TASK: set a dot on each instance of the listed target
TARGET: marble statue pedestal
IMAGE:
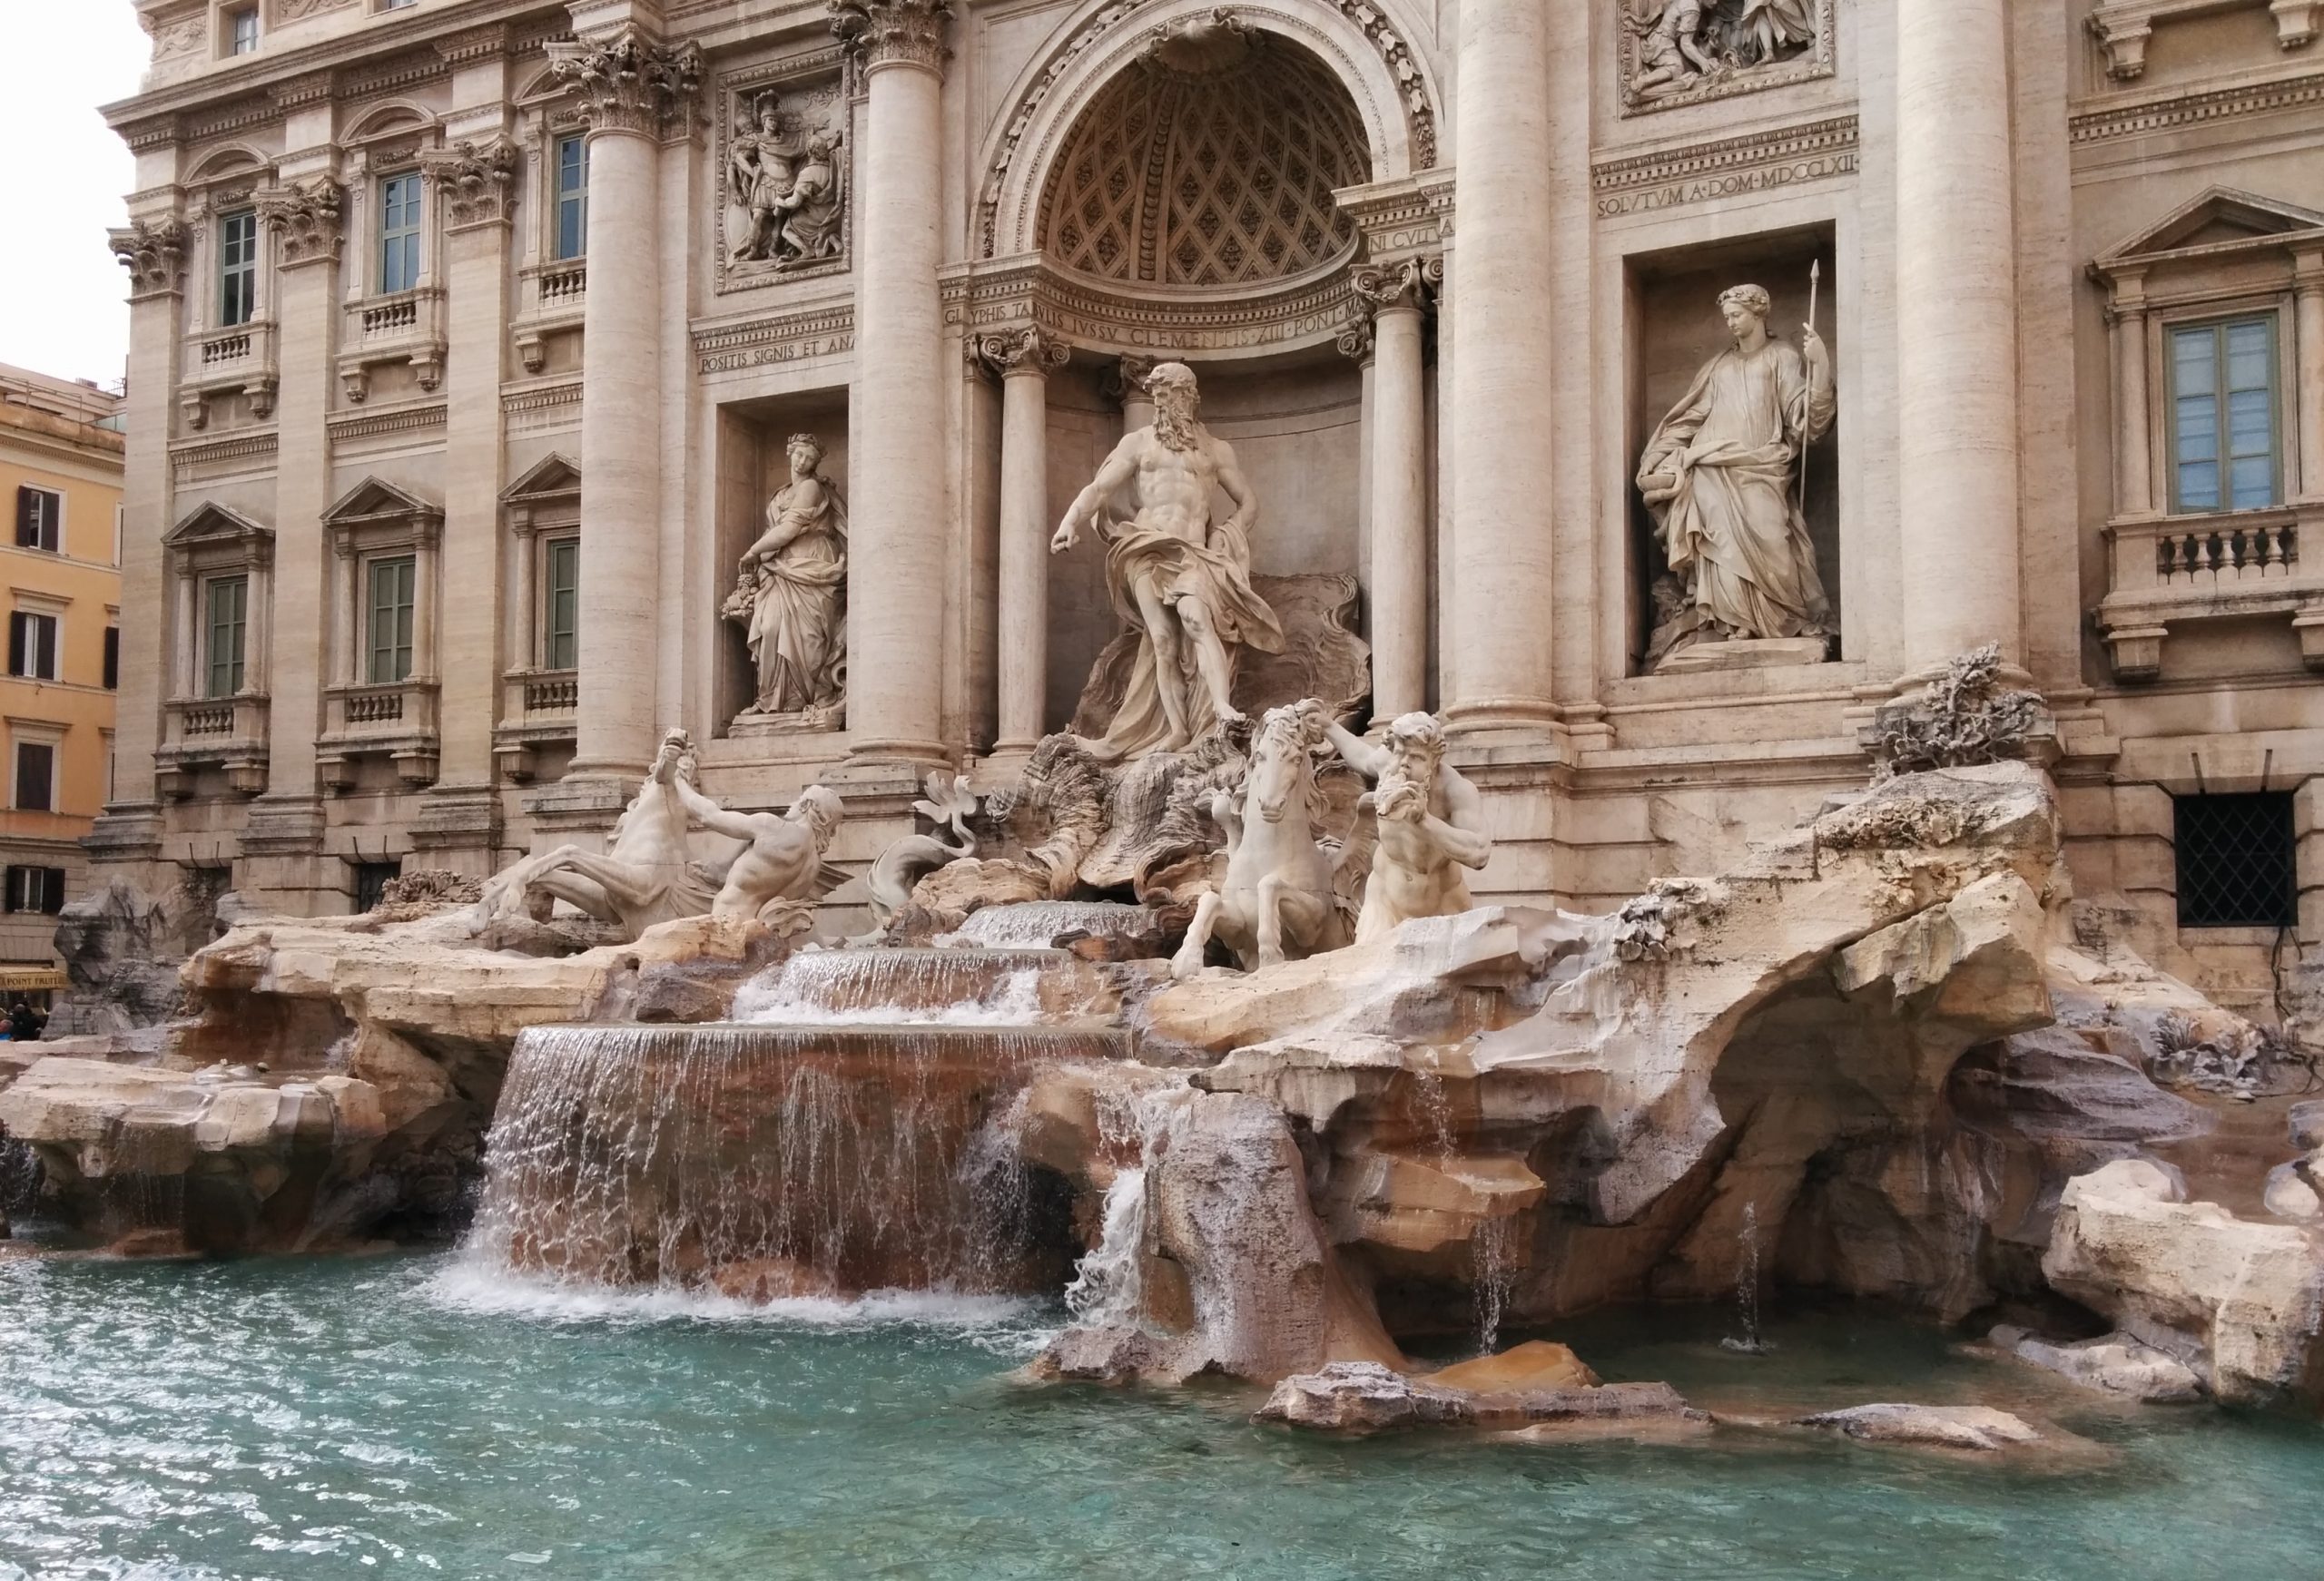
(1746, 654)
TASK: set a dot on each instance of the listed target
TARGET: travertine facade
(470, 336)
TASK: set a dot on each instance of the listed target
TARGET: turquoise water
(328, 1418)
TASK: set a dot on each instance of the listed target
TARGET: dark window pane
(112, 658)
(35, 774)
(2235, 860)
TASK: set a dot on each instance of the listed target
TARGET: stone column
(1398, 296)
(524, 637)
(1023, 359)
(1501, 604)
(2308, 282)
(426, 606)
(183, 640)
(2133, 451)
(634, 91)
(1956, 332)
(305, 217)
(1137, 406)
(895, 617)
(461, 639)
(346, 666)
(258, 632)
(153, 251)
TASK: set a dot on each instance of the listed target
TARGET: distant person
(24, 1022)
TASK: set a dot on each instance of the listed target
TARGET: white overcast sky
(62, 179)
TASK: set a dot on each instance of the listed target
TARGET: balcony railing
(396, 719)
(225, 733)
(537, 709)
(2166, 571)
(550, 301)
(219, 361)
(406, 326)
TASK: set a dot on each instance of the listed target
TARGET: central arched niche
(1208, 165)
(1204, 170)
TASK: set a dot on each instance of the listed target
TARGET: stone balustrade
(2168, 570)
(396, 719)
(537, 709)
(242, 359)
(223, 733)
(404, 327)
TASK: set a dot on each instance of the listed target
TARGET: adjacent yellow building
(60, 483)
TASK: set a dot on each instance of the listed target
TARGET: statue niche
(790, 598)
(784, 205)
(1721, 476)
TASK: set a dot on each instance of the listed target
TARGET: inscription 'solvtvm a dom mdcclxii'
(1647, 389)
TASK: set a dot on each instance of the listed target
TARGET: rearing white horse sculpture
(1279, 896)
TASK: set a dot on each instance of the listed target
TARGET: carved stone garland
(893, 32)
(630, 82)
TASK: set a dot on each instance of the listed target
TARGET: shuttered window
(389, 632)
(40, 520)
(228, 598)
(2224, 416)
(32, 645)
(35, 777)
(560, 623)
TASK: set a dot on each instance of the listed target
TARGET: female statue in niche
(792, 596)
(1717, 477)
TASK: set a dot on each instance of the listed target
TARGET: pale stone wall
(1458, 428)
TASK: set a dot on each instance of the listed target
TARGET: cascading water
(1747, 1288)
(1040, 923)
(925, 988)
(1108, 1288)
(766, 1161)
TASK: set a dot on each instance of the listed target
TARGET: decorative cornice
(299, 10)
(778, 338)
(629, 83)
(308, 217)
(408, 419)
(902, 33)
(1727, 167)
(1027, 349)
(2103, 123)
(477, 180)
(153, 251)
(482, 44)
(983, 298)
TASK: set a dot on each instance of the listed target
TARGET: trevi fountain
(1166, 1131)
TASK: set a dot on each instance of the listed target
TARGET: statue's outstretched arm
(710, 815)
(1359, 754)
(1118, 469)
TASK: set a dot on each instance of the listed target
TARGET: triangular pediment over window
(212, 523)
(375, 500)
(553, 477)
(2222, 219)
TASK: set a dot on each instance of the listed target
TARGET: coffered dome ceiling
(1219, 177)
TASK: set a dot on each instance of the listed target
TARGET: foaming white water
(1039, 923)
(890, 988)
(1109, 1284)
(478, 1288)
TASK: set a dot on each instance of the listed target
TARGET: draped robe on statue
(1732, 530)
(796, 598)
(1220, 572)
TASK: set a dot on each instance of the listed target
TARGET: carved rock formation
(333, 1079)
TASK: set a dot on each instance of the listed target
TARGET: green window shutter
(392, 582)
(560, 643)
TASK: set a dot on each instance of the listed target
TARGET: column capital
(309, 218)
(1358, 338)
(477, 179)
(630, 82)
(153, 251)
(1127, 382)
(1410, 284)
(883, 32)
(1029, 350)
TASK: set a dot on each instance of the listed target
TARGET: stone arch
(395, 118)
(223, 163)
(1394, 94)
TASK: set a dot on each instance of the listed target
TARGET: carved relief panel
(1686, 51)
(783, 172)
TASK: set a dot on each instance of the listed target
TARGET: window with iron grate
(371, 881)
(2235, 860)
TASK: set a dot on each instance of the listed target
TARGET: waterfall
(765, 1161)
(925, 987)
(1747, 1288)
(1495, 1280)
(1108, 1286)
(1040, 923)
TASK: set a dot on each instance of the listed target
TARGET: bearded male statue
(1180, 580)
(1432, 821)
(1717, 475)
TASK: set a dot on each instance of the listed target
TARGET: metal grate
(371, 881)
(2235, 860)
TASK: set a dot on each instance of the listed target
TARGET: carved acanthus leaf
(893, 32)
(628, 81)
(307, 216)
(1965, 717)
(1412, 283)
(153, 251)
(477, 179)
(1028, 348)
